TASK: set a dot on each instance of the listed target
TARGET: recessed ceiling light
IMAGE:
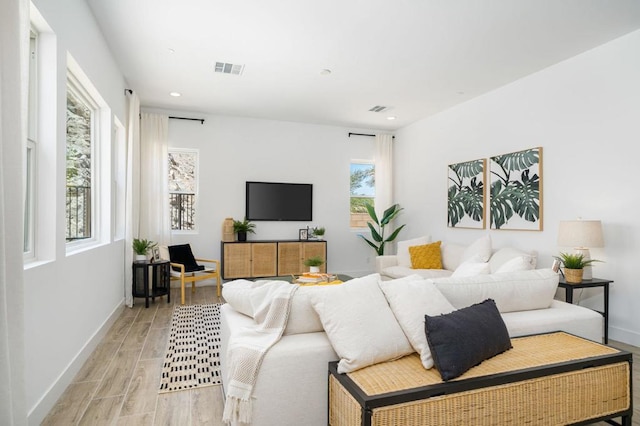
(175, 94)
(391, 117)
(325, 71)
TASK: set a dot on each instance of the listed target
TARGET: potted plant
(574, 264)
(318, 232)
(377, 235)
(141, 247)
(314, 263)
(242, 228)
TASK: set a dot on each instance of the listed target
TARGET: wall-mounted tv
(279, 201)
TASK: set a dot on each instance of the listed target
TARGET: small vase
(242, 236)
(314, 269)
(141, 258)
(573, 276)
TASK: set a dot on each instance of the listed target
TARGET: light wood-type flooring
(118, 385)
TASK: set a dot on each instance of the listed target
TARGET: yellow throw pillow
(426, 257)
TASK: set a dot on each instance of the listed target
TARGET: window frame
(31, 152)
(352, 162)
(195, 194)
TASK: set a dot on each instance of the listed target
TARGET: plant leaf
(372, 213)
(374, 234)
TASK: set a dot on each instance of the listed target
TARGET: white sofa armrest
(385, 261)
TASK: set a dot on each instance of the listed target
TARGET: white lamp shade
(580, 233)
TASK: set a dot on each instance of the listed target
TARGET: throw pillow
(481, 247)
(506, 254)
(359, 323)
(402, 256)
(516, 264)
(463, 339)
(182, 253)
(426, 256)
(514, 291)
(474, 266)
(237, 293)
(410, 299)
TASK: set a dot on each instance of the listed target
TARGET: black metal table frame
(161, 274)
(592, 283)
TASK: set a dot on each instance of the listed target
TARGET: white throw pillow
(505, 254)
(471, 268)
(237, 293)
(480, 247)
(411, 298)
(451, 255)
(359, 323)
(302, 317)
(403, 257)
(403, 271)
(513, 291)
(520, 263)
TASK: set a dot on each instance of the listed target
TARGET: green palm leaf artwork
(516, 181)
(465, 199)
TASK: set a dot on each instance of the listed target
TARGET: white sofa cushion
(514, 291)
(403, 271)
(402, 249)
(471, 267)
(302, 317)
(503, 255)
(519, 263)
(359, 323)
(237, 293)
(480, 248)
(451, 255)
(411, 298)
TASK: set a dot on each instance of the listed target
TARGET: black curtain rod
(201, 120)
(365, 134)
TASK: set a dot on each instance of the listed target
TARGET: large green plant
(515, 191)
(377, 232)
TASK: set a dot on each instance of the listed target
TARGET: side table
(595, 282)
(160, 274)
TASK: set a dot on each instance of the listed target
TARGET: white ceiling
(418, 57)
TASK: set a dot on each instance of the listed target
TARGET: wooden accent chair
(185, 267)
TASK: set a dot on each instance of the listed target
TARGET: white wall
(584, 112)
(234, 150)
(69, 299)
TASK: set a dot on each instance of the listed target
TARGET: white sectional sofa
(291, 387)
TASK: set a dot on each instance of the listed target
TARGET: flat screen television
(279, 201)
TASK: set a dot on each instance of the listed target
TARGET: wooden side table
(160, 274)
(595, 282)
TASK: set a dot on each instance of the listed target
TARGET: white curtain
(14, 37)
(384, 173)
(132, 190)
(154, 178)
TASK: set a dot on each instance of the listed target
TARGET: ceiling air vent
(378, 108)
(226, 68)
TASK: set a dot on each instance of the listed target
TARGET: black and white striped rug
(193, 351)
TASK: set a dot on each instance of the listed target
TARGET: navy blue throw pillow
(464, 338)
(182, 254)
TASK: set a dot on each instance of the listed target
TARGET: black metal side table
(160, 277)
(595, 282)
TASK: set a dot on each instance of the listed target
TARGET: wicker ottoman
(546, 379)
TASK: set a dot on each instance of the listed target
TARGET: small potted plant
(242, 228)
(574, 264)
(141, 247)
(314, 263)
(318, 232)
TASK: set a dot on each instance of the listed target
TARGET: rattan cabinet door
(289, 258)
(237, 260)
(264, 261)
(312, 249)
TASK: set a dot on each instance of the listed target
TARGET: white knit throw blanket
(250, 346)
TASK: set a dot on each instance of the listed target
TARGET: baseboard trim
(625, 336)
(40, 410)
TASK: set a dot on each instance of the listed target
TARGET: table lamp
(581, 234)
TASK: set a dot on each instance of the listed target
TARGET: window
(362, 191)
(30, 153)
(183, 185)
(80, 191)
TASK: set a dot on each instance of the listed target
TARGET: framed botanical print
(465, 194)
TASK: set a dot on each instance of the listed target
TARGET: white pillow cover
(503, 255)
(359, 323)
(451, 255)
(471, 268)
(402, 249)
(520, 263)
(403, 271)
(411, 298)
(514, 291)
(479, 248)
(237, 293)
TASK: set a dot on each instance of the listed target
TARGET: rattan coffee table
(548, 379)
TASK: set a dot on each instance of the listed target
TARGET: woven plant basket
(573, 276)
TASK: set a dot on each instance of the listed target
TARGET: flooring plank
(116, 379)
(103, 411)
(71, 405)
(156, 343)
(207, 406)
(173, 408)
(145, 419)
(142, 394)
(98, 363)
(136, 336)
